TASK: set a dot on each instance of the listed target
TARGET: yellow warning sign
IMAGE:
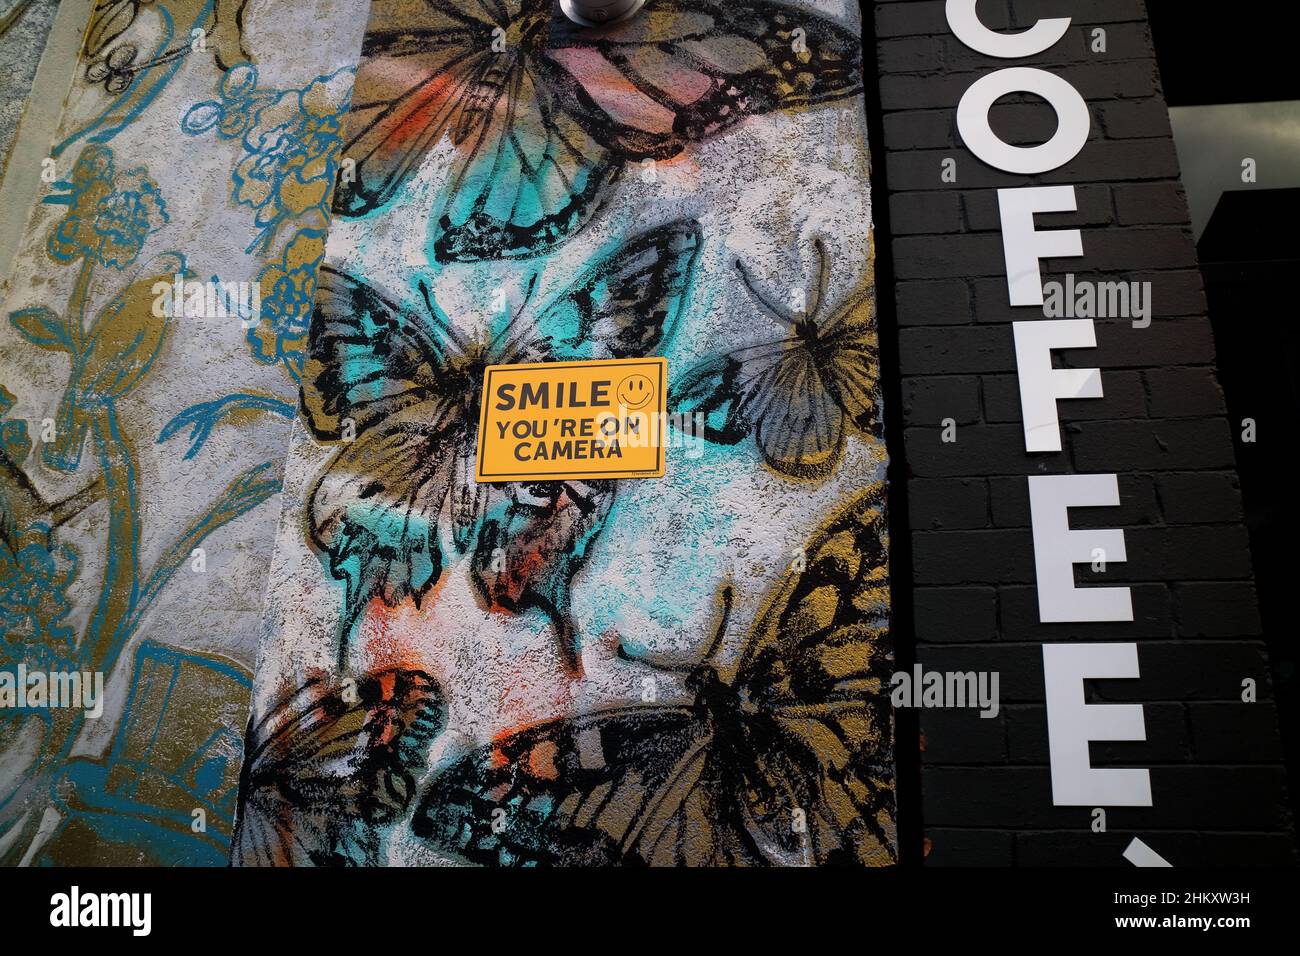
(573, 420)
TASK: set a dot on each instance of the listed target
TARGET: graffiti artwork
(127, 556)
(682, 667)
(785, 761)
(537, 117)
(681, 670)
(411, 441)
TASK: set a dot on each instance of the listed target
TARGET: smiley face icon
(635, 391)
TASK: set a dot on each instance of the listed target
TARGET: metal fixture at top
(600, 13)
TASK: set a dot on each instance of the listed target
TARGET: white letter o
(1074, 122)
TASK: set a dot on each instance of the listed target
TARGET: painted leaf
(41, 326)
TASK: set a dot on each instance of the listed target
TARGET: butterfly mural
(328, 768)
(542, 116)
(784, 759)
(397, 389)
(799, 395)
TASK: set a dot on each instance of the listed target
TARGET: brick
(962, 736)
(1174, 293)
(1134, 119)
(1019, 666)
(1201, 498)
(1141, 204)
(1188, 553)
(1217, 609)
(951, 504)
(1124, 41)
(1166, 737)
(1191, 671)
(1081, 847)
(1009, 499)
(1025, 13)
(920, 129)
(1070, 49)
(911, 213)
(1178, 293)
(1176, 342)
(953, 847)
(1011, 797)
(1132, 78)
(1124, 396)
(1236, 733)
(1099, 161)
(1219, 798)
(1154, 445)
(1094, 209)
(911, 19)
(972, 557)
(933, 302)
(980, 450)
(1019, 620)
(955, 614)
(931, 257)
(955, 350)
(928, 401)
(1184, 393)
(923, 54)
(1137, 248)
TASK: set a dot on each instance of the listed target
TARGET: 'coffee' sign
(1072, 722)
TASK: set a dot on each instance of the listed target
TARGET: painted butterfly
(542, 115)
(796, 395)
(327, 769)
(786, 759)
(399, 389)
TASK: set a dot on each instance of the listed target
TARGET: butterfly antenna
(436, 319)
(763, 300)
(823, 278)
(711, 655)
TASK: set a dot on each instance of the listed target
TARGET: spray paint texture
(678, 670)
(143, 446)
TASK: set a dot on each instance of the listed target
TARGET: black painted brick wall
(1216, 770)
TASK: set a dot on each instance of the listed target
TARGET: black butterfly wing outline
(327, 769)
(374, 384)
(529, 180)
(853, 351)
(368, 359)
(528, 554)
(418, 64)
(818, 668)
(526, 175)
(544, 117)
(775, 392)
(108, 21)
(796, 396)
(628, 304)
(792, 767)
(568, 793)
(625, 305)
(797, 424)
(683, 71)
